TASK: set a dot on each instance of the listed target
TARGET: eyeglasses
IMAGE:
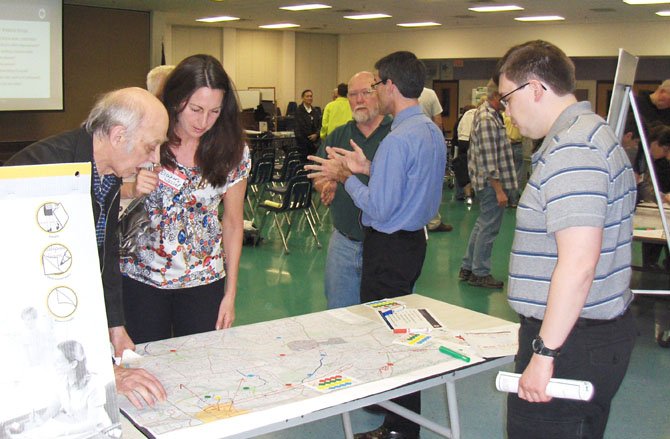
(366, 93)
(504, 99)
(381, 81)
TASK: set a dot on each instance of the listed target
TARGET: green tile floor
(273, 285)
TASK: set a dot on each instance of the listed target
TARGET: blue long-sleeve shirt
(406, 174)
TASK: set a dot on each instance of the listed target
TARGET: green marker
(454, 354)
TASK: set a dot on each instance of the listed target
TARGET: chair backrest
(261, 170)
(298, 193)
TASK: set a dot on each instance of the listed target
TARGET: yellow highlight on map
(218, 411)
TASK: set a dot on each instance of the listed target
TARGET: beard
(363, 115)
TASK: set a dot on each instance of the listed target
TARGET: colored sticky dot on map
(334, 382)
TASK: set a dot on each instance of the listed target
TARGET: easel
(622, 97)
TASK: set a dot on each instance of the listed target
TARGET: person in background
(659, 150)
(654, 108)
(403, 193)
(336, 113)
(344, 262)
(123, 131)
(491, 171)
(156, 79)
(570, 266)
(432, 108)
(307, 123)
(516, 140)
(184, 280)
(461, 142)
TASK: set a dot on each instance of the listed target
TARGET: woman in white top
(183, 279)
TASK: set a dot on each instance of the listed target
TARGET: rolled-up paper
(557, 387)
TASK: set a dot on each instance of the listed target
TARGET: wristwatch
(540, 349)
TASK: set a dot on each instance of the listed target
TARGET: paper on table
(498, 341)
(649, 233)
(411, 318)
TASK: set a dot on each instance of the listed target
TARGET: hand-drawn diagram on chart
(52, 217)
(268, 370)
(56, 260)
(62, 302)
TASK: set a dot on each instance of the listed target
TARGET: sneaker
(487, 281)
(442, 228)
(468, 201)
(464, 274)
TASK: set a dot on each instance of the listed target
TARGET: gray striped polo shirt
(581, 177)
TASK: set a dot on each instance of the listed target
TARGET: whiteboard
(249, 98)
(267, 93)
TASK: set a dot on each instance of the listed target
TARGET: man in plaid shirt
(491, 169)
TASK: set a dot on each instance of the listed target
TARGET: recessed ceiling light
(663, 13)
(421, 24)
(279, 26)
(217, 19)
(541, 18)
(646, 2)
(307, 7)
(501, 8)
(366, 16)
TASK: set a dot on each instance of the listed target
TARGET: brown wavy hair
(221, 148)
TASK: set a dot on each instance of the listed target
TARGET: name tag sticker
(175, 180)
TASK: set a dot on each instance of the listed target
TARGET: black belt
(397, 232)
(581, 322)
(349, 237)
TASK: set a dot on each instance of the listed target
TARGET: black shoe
(442, 228)
(464, 274)
(487, 281)
(384, 433)
(663, 339)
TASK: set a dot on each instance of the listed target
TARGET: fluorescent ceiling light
(279, 26)
(663, 13)
(422, 24)
(646, 2)
(217, 19)
(307, 7)
(541, 18)
(501, 8)
(366, 16)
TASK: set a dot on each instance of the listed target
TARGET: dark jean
(391, 265)
(595, 351)
(156, 314)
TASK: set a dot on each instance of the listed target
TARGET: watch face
(537, 344)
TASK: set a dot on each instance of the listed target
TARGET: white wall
(360, 51)
(316, 66)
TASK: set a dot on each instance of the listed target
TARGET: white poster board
(623, 82)
(57, 379)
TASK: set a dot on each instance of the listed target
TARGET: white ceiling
(450, 13)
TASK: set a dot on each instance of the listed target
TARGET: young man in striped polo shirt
(569, 269)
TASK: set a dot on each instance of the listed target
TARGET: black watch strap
(540, 349)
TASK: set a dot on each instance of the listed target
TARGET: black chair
(297, 196)
(259, 177)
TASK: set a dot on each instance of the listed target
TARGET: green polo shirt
(344, 213)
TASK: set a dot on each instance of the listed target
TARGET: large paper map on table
(220, 383)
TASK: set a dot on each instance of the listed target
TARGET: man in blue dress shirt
(404, 192)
